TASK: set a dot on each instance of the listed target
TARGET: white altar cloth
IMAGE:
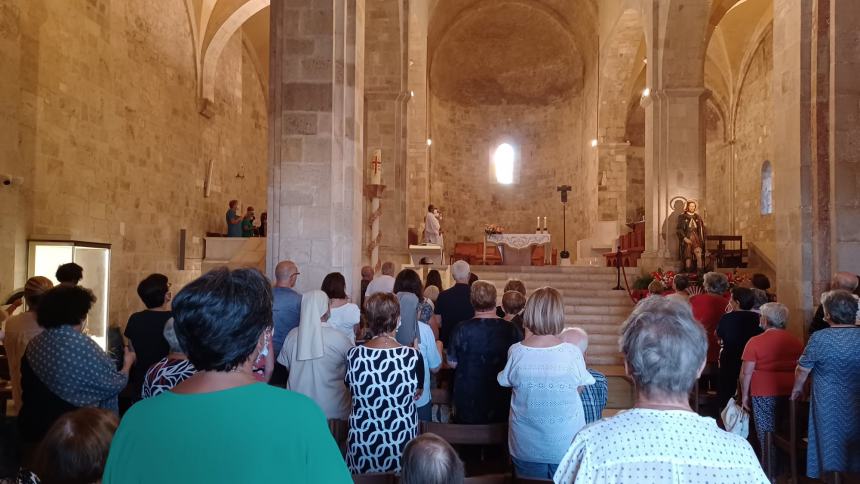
(519, 242)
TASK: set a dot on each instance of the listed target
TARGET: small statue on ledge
(691, 239)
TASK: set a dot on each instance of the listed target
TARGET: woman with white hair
(768, 367)
(171, 370)
(832, 359)
(315, 355)
(661, 439)
(709, 307)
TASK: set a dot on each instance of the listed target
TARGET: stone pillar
(674, 159)
(316, 101)
(792, 194)
(612, 182)
(385, 98)
(418, 154)
(844, 132)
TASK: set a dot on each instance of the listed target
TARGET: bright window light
(503, 159)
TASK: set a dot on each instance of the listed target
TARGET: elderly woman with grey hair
(661, 439)
(767, 373)
(170, 370)
(709, 307)
(831, 357)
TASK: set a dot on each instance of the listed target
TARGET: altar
(516, 249)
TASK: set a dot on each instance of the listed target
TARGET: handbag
(736, 419)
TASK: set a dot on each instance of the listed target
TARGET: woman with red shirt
(768, 367)
(709, 307)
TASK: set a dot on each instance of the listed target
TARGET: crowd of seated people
(200, 394)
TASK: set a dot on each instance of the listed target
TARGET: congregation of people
(236, 378)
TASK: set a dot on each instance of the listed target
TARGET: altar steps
(589, 301)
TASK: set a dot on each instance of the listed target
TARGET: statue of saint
(691, 239)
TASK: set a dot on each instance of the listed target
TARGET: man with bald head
(841, 280)
(593, 396)
(286, 308)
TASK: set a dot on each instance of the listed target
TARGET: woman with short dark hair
(223, 321)
(734, 330)
(62, 368)
(385, 379)
(343, 315)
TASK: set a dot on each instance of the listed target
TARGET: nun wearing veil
(315, 356)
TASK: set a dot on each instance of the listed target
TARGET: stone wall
(548, 142)
(108, 141)
(752, 147)
(718, 205)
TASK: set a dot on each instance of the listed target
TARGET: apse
(507, 117)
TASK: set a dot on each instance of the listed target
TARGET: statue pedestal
(651, 261)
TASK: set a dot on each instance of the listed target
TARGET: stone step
(592, 359)
(622, 311)
(550, 269)
(551, 278)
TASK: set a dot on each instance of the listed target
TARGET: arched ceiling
(510, 51)
(505, 53)
(213, 24)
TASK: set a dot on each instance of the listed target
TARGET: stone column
(792, 193)
(316, 101)
(674, 158)
(844, 132)
(612, 181)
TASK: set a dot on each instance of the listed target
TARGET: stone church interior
(429, 241)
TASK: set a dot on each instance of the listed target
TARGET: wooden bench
(726, 250)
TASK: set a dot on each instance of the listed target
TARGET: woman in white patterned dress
(384, 378)
(545, 373)
(172, 370)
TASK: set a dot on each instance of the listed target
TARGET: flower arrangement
(492, 229)
(738, 279)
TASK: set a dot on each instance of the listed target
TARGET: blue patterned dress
(833, 355)
(383, 382)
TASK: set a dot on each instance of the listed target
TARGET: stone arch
(221, 33)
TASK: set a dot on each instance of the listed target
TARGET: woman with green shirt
(220, 425)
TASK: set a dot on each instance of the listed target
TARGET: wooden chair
(707, 398)
(791, 440)
(4, 368)
(5, 396)
(529, 480)
(378, 478)
(490, 434)
(489, 479)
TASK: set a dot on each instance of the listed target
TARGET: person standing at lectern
(432, 227)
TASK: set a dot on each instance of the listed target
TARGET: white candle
(538, 223)
(544, 224)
